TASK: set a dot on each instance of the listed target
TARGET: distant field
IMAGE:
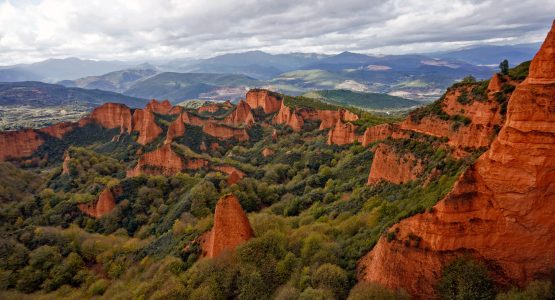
(368, 101)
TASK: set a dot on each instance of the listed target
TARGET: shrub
(98, 287)
(464, 278)
(333, 278)
(372, 291)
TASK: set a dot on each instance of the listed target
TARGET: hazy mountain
(40, 94)
(12, 75)
(492, 55)
(256, 64)
(118, 81)
(53, 70)
(181, 86)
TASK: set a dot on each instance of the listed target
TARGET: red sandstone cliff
(105, 203)
(163, 108)
(389, 165)
(287, 116)
(342, 134)
(231, 227)
(111, 115)
(176, 129)
(143, 122)
(224, 132)
(164, 161)
(22, 143)
(242, 115)
(264, 99)
(499, 210)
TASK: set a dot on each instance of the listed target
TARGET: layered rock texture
(342, 134)
(144, 122)
(231, 228)
(103, 205)
(242, 115)
(163, 108)
(268, 101)
(392, 166)
(500, 210)
(23, 143)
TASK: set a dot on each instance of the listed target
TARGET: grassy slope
(362, 100)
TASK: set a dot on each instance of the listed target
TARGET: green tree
(504, 67)
(333, 278)
(464, 278)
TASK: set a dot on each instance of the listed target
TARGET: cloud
(155, 29)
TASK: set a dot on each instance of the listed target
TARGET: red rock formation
(233, 178)
(176, 129)
(111, 115)
(143, 122)
(264, 99)
(65, 164)
(389, 165)
(224, 132)
(160, 161)
(211, 108)
(377, 133)
(231, 227)
(495, 83)
(288, 117)
(342, 134)
(274, 136)
(16, 144)
(60, 129)
(176, 110)
(242, 115)
(229, 170)
(105, 203)
(195, 163)
(163, 108)
(267, 152)
(499, 210)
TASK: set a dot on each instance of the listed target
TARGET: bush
(372, 291)
(464, 278)
(333, 278)
(536, 290)
(98, 287)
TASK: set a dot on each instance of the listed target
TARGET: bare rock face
(160, 161)
(224, 132)
(176, 129)
(378, 133)
(495, 83)
(211, 108)
(499, 210)
(163, 108)
(484, 117)
(287, 116)
(233, 178)
(60, 129)
(342, 134)
(242, 115)
(389, 165)
(264, 99)
(65, 164)
(267, 152)
(103, 205)
(143, 122)
(111, 115)
(231, 227)
(542, 68)
(21, 143)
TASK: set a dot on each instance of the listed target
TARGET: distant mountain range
(418, 77)
(39, 94)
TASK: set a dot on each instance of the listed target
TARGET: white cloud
(154, 29)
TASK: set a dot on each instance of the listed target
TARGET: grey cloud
(149, 29)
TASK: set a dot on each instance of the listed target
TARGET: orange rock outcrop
(342, 134)
(65, 163)
(105, 203)
(267, 152)
(160, 161)
(265, 99)
(60, 129)
(378, 133)
(111, 115)
(389, 165)
(499, 210)
(163, 108)
(144, 123)
(287, 116)
(242, 115)
(176, 129)
(16, 144)
(231, 227)
(224, 132)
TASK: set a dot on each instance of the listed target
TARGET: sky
(150, 30)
